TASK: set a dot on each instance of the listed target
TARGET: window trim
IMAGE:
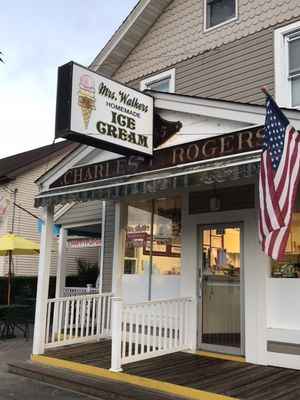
(283, 88)
(166, 75)
(222, 23)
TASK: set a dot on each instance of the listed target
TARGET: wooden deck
(228, 378)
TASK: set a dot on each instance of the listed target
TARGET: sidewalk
(20, 388)
(16, 348)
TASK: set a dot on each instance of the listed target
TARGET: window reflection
(221, 251)
(166, 237)
(153, 237)
(137, 232)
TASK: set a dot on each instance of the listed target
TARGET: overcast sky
(37, 37)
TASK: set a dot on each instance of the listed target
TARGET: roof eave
(244, 112)
(119, 46)
(5, 179)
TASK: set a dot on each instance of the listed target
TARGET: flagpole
(9, 276)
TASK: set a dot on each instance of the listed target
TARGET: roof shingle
(13, 165)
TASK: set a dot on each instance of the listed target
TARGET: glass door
(220, 306)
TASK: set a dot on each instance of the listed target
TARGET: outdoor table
(13, 316)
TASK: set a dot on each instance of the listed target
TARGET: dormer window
(219, 12)
(163, 82)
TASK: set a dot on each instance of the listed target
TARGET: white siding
(89, 211)
(90, 254)
(24, 224)
(78, 214)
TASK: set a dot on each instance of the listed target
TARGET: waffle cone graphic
(86, 113)
(86, 98)
(87, 106)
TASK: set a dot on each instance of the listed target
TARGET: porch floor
(216, 376)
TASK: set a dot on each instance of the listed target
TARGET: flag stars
(274, 136)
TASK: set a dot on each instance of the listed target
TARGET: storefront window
(137, 233)
(290, 266)
(166, 244)
(152, 237)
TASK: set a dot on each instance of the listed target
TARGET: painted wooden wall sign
(205, 149)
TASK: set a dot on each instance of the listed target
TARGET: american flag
(278, 181)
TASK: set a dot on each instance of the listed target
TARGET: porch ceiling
(205, 172)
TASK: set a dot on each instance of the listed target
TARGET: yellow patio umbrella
(11, 244)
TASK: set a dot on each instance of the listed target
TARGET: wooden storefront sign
(206, 149)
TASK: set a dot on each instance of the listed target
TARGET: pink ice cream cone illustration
(86, 98)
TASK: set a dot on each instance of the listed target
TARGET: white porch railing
(77, 291)
(149, 329)
(78, 318)
(138, 331)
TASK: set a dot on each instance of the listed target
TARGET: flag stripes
(278, 181)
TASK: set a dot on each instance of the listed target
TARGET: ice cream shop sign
(102, 113)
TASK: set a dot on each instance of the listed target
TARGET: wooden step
(81, 383)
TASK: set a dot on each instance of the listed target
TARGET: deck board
(230, 378)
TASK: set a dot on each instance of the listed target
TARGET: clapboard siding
(233, 72)
(108, 246)
(227, 56)
(223, 64)
(25, 224)
(86, 212)
(239, 49)
(90, 254)
(210, 77)
(82, 212)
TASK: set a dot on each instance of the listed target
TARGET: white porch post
(116, 308)
(61, 263)
(101, 258)
(116, 334)
(43, 281)
(61, 272)
(189, 280)
(117, 272)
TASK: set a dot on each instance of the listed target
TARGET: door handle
(200, 286)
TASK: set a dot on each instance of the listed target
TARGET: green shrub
(87, 271)
(26, 286)
(23, 286)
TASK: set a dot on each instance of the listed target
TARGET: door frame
(206, 346)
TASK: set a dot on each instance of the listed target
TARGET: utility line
(190, 53)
